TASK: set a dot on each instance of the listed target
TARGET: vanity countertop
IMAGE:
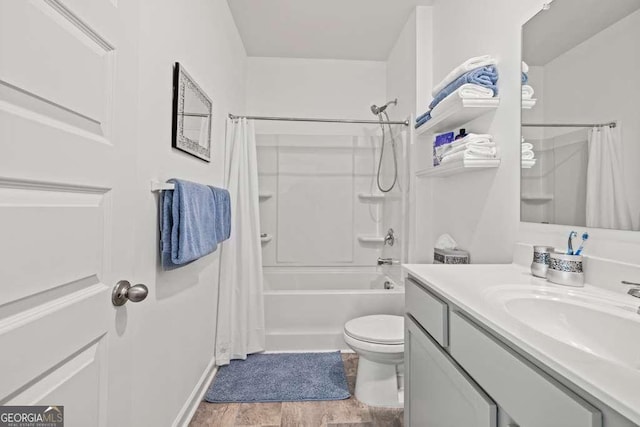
(482, 291)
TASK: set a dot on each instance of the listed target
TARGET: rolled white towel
(527, 146)
(525, 67)
(467, 90)
(527, 92)
(468, 65)
(528, 155)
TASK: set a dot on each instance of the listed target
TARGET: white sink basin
(608, 328)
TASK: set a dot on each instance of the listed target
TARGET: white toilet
(379, 341)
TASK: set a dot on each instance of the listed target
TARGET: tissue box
(450, 256)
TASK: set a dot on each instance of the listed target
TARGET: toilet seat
(379, 329)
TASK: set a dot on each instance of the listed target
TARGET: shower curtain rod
(305, 119)
(569, 125)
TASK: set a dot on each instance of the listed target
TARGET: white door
(68, 97)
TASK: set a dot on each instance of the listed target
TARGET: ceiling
(332, 29)
(567, 24)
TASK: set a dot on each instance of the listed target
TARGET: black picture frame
(186, 89)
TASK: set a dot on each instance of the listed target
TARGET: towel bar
(161, 186)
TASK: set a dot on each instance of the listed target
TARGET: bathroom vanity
(491, 345)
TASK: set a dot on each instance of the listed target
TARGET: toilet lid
(380, 329)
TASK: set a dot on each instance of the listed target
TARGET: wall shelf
(458, 166)
(371, 239)
(536, 198)
(458, 113)
(265, 196)
(371, 196)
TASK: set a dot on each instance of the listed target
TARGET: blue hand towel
(483, 76)
(189, 223)
(525, 78)
(222, 201)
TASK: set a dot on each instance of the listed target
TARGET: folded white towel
(525, 67)
(472, 154)
(467, 90)
(528, 155)
(526, 164)
(470, 140)
(468, 65)
(527, 146)
(527, 92)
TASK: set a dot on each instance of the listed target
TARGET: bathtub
(306, 309)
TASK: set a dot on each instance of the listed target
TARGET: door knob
(124, 292)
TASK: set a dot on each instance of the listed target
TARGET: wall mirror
(581, 115)
(191, 116)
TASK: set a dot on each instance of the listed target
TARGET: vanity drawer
(529, 395)
(430, 311)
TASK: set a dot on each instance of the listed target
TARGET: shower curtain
(607, 205)
(240, 327)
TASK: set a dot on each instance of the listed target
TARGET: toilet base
(377, 384)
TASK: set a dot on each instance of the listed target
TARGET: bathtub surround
(240, 326)
(281, 377)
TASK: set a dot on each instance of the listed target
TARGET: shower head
(378, 110)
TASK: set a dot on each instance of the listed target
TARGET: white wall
(324, 88)
(409, 79)
(481, 209)
(176, 340)
(488, 223)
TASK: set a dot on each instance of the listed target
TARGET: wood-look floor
(332, 413)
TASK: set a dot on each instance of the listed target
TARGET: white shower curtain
(240, 326)
(607, 205)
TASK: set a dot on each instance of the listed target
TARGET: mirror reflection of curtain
(607, 205)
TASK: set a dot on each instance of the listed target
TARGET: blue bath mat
(283, 377)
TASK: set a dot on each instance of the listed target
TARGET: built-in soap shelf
(265, 196)
(265, 238)
(371, 239)
(462, 111)
(536, 198)
(457, 167)
(376, 197)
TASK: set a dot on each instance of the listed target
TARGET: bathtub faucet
(387, 261)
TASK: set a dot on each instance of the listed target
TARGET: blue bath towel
(483, 76)
(190, 228)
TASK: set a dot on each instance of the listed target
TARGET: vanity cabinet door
(530, 396)
(437, 392)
